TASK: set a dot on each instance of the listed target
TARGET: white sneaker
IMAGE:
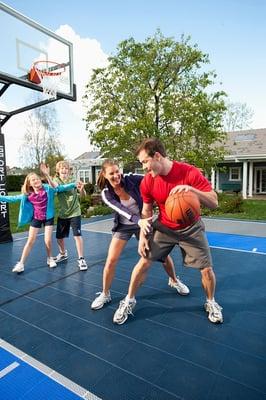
(179, 286)
(82, 264)
(100, 300)
(124, 310)
(215, 312)
(19, 267)
(51, 262)
(61, 257)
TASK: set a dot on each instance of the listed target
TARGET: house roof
(88, 155)
(251, 143)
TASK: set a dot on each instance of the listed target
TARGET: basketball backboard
(23, 43)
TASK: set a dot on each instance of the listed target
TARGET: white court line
(8, 369)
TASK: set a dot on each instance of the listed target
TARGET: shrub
(99, 210)
(14, 182)
(85, 203)
(228, 204)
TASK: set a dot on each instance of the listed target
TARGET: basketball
(182, 208)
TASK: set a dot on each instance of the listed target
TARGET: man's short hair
(151, 146)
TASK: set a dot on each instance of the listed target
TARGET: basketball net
(49, 74)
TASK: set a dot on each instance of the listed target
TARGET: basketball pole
(5, 233)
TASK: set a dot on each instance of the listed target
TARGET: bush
(14, 182)
(99, 210)
(89, 187)
(228, 204)
(85, 203)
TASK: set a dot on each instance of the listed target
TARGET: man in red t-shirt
(164, 177)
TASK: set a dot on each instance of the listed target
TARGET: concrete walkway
(238, 227)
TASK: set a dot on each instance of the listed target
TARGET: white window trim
(239, 174)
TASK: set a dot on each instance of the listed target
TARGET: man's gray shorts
(192, 241)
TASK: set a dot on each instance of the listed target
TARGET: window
(235, 174)
(84, 175)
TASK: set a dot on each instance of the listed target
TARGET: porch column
(245, 178)
(250, 180)
(213, 178)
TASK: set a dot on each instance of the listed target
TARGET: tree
(41, 140)
(156, 88)
(238, 116)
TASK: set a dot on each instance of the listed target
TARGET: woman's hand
(145, 225)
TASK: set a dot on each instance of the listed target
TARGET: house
(87, 166)
(244, 167)
(242, 170)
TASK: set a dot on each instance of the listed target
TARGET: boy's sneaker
(51, 262)
(100, 300)
(215, 312)
(124, 310)
(19, 267)
(82, 264)
(179, 286)
(61, 257)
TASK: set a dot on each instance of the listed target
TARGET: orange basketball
(182, 208)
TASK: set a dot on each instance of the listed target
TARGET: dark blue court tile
(11, 325)
(28, 309)
(84, 369)
(53, 352)
(187, 380)
(245, 369)
(94, 339)
(7, 294)
(121, 385)
(202, 352)
(145, 361)
(250, 321)
(226, 389)
(44, 294)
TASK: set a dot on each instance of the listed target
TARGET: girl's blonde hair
(61, 164)
(101, 180)
(26, 187)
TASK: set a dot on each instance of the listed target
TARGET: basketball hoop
(49, 75)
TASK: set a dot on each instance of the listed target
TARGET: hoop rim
(46, 72)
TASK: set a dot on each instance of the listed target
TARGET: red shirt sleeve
(145, 189)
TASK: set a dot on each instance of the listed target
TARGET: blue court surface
(53, 346)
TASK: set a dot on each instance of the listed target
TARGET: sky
(231, 32)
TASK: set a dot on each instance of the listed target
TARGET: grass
(254, 210)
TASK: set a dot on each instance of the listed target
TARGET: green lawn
(254, 210)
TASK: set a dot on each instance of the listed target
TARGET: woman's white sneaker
(100, 300)
(179, 286)
(19, 267)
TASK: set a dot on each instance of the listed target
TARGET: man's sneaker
(51, 262)
(19, 267)
(61, 257)
(124, 310)
(179, 286)
(215, 312)
(100, 300)
(82, 264)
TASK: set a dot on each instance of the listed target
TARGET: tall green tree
(156, 88)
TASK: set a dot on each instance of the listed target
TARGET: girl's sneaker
(19, 267)
(82, 264)
(51, 262)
